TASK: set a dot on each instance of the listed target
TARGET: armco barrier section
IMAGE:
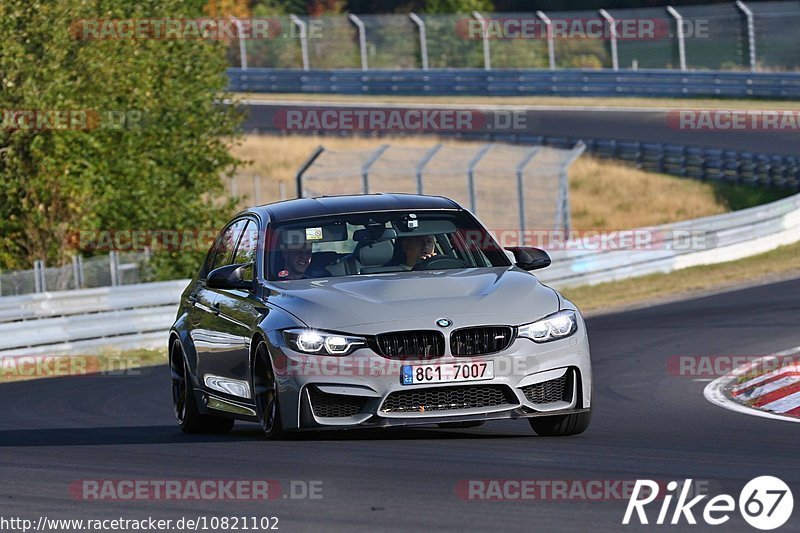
(719, 238)
(140, 315)
(87, 320)
(474, 82)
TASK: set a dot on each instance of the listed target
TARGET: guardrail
(475, 82)
(140, 315)
(81, 321)
(717, 239)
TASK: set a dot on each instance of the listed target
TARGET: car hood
(370, 304)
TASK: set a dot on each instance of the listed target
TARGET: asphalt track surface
(631, 124)
(647, 424)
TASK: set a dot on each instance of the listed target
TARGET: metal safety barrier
(670, 247)
(86, 320)
(516, 82)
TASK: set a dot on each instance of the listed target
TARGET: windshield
(377, 243)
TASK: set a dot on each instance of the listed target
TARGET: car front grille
(482, 340)
(335, 405)
(554, 390)
(411, 344)
(448, 399)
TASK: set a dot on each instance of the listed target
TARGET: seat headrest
(376, 254)
(320, 259)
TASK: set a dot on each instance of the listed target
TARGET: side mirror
(229, 277)
(529, 258)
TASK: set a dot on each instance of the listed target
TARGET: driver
(296, 260)
(417, 248)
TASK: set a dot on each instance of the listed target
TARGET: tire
(265, 394)
(459, 425)
(561, 425)
(184, 402)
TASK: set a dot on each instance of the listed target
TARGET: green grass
(737, 197)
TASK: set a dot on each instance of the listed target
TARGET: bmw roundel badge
(444, 323)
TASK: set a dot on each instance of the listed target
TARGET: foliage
(159, 170)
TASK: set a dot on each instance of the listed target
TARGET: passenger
(296, 261)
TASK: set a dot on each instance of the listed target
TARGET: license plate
(447, 373)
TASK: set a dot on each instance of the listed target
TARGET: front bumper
(364, 389)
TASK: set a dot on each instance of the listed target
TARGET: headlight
(321, 342)
(556, 326)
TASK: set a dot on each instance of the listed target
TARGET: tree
(148, 144)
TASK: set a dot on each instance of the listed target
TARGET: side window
(222, 253)
(246, 250)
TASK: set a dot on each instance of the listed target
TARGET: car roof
(348, 204)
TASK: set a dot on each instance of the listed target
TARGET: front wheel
(266, 394)
(561, 425)
(183, 400)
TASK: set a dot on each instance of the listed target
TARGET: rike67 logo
(765, 503)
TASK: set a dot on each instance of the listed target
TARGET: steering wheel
(443, 262)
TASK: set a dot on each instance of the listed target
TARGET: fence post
(305, 166)
(421, 165)
(521, 186)
(551, 44)
(368, 164)
(113, 267)
(473, 206)
(303, 39)
(565, 218)
(487, 53)
(751, 33)
(77, 270)
(612, 25)
(362, 39)
(40, 284)
(242, 47)
(423, 39)
(681, 37)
